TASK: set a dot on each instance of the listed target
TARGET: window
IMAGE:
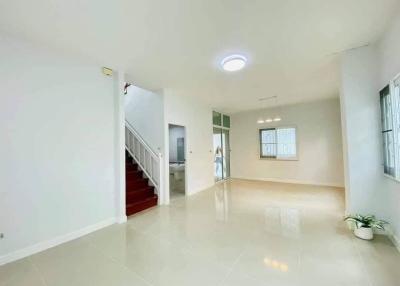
(390, 116)
(226, 121)
(221, 120)
(217, 118)
(278, 143)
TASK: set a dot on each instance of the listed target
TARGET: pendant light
(276, 117)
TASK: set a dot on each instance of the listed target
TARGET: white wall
(197, 119)
(361, 129)
(175, 132)
(319, 145)
(144, 111)
(388, 53)
(57, 148)
(365, 71)
(389, 60)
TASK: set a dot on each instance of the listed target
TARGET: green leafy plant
(368, 221)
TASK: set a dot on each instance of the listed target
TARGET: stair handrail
(138, 136)
(153, 172)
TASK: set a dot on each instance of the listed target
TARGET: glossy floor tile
(176, 186)
(236, 233)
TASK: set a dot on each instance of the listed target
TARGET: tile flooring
(237, 233)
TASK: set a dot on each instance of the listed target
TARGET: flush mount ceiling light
(233, 63)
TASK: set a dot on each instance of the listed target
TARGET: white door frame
(224, 179)
(166, 185)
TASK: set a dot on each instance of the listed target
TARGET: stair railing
(149, 161)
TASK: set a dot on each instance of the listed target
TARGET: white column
(119, 146)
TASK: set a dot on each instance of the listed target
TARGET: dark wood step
(133, 175)
(131, 167)
(141, 205)
(133, 171)
(137, 183)
(139, 194)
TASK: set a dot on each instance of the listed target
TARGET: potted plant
(365, 224)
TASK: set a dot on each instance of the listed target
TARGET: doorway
(221, 154)
(177, 161)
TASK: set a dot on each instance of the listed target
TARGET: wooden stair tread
(150, 188)
(139, 194)
(154, 197)
(141, 205)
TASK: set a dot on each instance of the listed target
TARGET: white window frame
(396, 129)
(295, 158)
(396, 122)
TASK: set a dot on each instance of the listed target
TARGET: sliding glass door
(226, 172)
(218, 166)
(221, 154)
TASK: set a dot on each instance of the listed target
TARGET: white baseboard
(395, 239)
(122, 219)
(396, 242)
(196, 191)
(290, 181)
(41, 246)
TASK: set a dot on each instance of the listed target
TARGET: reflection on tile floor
(176, 186)
(236, 233)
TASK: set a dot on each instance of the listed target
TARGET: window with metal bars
(278, 143)
(390, 117)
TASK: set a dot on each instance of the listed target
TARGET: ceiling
(291, 45)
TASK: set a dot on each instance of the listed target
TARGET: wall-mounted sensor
(107, 71)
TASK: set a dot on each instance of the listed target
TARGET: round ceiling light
(233, 63)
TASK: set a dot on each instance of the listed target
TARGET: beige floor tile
(381, 261)
(169, 266)
(236, 233)
(237, 279)
(20, 273)
(79, 263)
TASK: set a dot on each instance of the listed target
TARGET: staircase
(139, 194)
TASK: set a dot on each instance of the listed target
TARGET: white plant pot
(364, 233)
